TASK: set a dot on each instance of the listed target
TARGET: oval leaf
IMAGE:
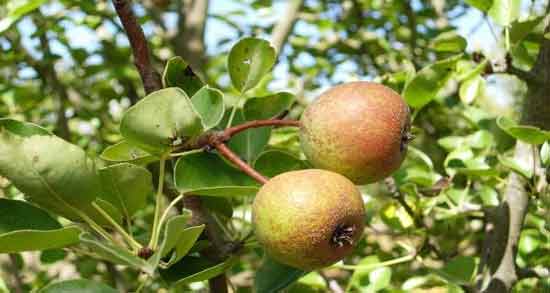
(528, 134)
(177, 73)
(449, 42)
(208, 174)
(194, 269)
(424, 87)
(159, 119)
(125, 152)
(209, 104)
(126, 186)
(24, 227)
(77, 286)
(272, 163)
(273, 276)
(248, 61)
(267, 107)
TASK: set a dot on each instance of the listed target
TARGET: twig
(392, 187)
(231, 156)
(232, 131)
(17, 280)
(284, 27)
(140, 49)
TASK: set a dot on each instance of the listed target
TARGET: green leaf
(273, 276)
(273, 162)
(471, 88)
(489, 196)
(160, 119)
(478, 140)
(209, 104)
(461, 270)
(528, 134)
(125, 152)
(178, 73)
(51, 172)
(126, 186)
(172, 231)
(530, 241)
(427, 83)
(16, 10)
(521, 167)
(267, 107)
(504, 12)
(251, 142)
(194, 269)
(51, 256)
(449, 42)
(312, 282)
(482, 5)
(114, 254)
(520, 30)
(379, 278)
(24, 227)
(248, 61)
(545, 154)
(21, 128)
(207, 174)
(77, 286)
(187, 239)
(360, 277)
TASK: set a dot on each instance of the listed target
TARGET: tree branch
(394, 190)
(142, 59)
(510, 214)
(17, 280)
(232, 131)
(284, 27)
(189, 42)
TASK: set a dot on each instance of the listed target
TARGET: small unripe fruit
(308, 219)
(357, 129)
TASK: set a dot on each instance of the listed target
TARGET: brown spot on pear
(308, 219)
(357, 129)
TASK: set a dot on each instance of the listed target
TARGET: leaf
(379, 278)
(186, 241)
(273, 276)
(209, 104)
(360, 277)
(267, 107)
(16, 10)
(159, 119)
(273, 162)
(489, 196)
(77, 286)
(520, 30)
(248, 61)
(24, 227)
(482, 5)
(530, 241)
(114, 254)
(51, 172)
(478, 140)
(251, 142)
(521, 167)
(471, 88)
(461, 270)
(126, 186)
(173, 228)
(425, 86)
(125, 152)
(21, 128)
(545, 154)
(51, 256)
(504, 12)
(526, 133)
(449, 42)
(177, 73)
(312, 282)
(194, 269)
(207, 174)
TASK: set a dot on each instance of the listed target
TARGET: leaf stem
(129, 239)
(95, 226)
(232, 116)
(172, 203)
(156, 227)
(399, 260)
(186, 153)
